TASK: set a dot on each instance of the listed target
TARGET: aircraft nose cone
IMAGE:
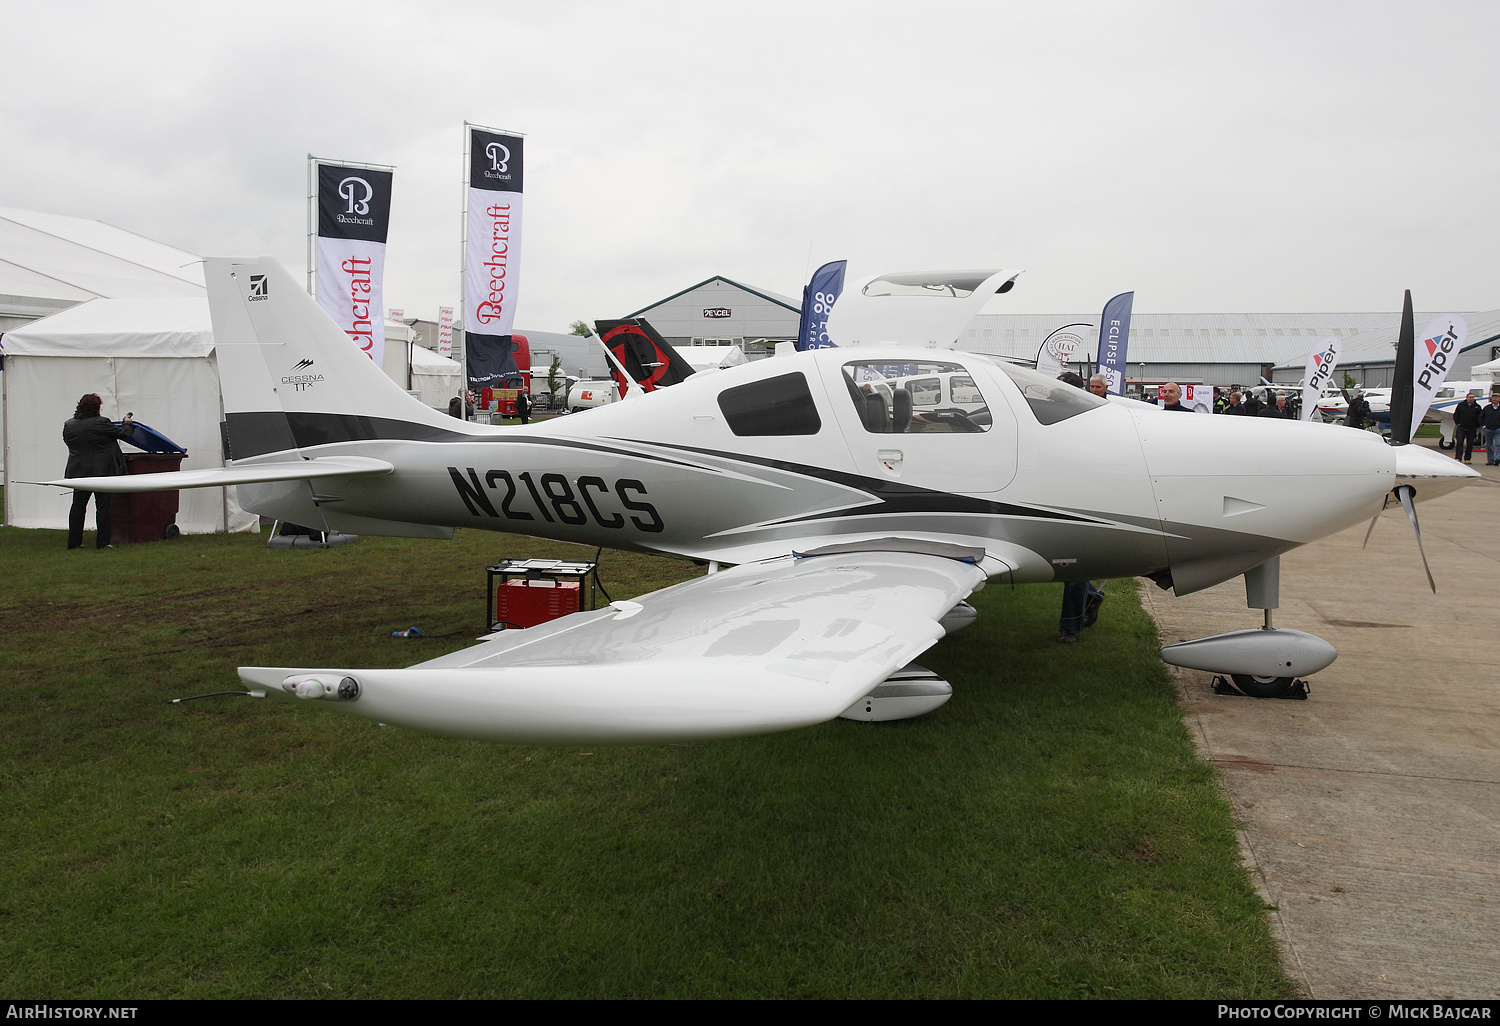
(1430, 473)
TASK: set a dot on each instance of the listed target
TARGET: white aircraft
(1449, 396)
(1333, 406)
(841, 539)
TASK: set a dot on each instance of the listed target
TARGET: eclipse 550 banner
(354, 215)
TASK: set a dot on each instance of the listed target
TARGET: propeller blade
(1403, 386)
(1376, 517)
(1405, 494)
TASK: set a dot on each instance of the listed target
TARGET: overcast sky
(1235, 157)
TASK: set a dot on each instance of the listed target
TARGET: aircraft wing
(760, 647)
(304, 470)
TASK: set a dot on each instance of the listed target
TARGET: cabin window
(916, 398)
(1051, 400)
(782, 405)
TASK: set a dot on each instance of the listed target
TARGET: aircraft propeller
(1406, 495)
(1402, 402)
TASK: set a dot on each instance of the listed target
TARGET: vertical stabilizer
(648, 358)
(286, 370)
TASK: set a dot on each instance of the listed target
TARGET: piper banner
(445, 332)
(1318, 373)
(354, 215)
(818, 298)
(1114, 339)
(1061, 348)
(492, 256)
(1436, 347)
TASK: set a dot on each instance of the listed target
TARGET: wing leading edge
(761, 647)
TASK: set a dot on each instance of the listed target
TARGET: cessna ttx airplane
(843, 523)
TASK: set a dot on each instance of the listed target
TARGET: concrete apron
(1370, 813)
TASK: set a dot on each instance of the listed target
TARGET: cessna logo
(499, 156)
(718, 312)
(258, 288)
(358, 192)
(1438, 348)
(301, 382)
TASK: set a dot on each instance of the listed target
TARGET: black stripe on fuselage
(258, 434)
(892, 496)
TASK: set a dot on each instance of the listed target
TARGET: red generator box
(528, 603)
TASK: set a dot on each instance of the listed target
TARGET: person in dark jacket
(1490, 418)
(1359, 409)
(1277, 412)
(523, 406)
(1171, 397)
(1253, 406)
(1468, 416)
(93, 451)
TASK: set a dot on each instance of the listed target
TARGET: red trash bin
(146, 516)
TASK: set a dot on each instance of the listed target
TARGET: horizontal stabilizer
(217, 477)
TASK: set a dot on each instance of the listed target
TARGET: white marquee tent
(435, 377)
(151, 357)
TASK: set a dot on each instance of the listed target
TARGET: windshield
(1050, 400)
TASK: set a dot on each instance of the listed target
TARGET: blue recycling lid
(151, 440)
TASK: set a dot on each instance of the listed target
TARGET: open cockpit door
(918, 307)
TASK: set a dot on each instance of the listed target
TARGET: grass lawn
(1047, 833)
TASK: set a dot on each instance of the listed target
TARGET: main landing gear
(1263, 663)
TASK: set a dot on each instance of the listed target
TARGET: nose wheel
(1262, 687)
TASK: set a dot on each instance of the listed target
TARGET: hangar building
(1211, 348)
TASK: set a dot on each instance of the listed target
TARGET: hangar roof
(1380, 347)
(1222, 338)
(791, 304)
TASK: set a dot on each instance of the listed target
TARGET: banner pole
(312, 225)
(463, 275)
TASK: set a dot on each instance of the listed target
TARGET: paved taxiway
(1371, 812)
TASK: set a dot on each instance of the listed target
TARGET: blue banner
(817, 299)
(1114, 336)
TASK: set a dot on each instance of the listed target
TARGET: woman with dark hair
(93, 452)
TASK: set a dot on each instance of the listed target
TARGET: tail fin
(648, 358)
(290, 378)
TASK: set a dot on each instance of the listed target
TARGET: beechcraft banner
(492, 256)
(1436, 347)
(354, 215)
(1318, 373)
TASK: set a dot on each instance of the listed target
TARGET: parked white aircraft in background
(1449, 396)
(855, 531)
(1334, 407)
